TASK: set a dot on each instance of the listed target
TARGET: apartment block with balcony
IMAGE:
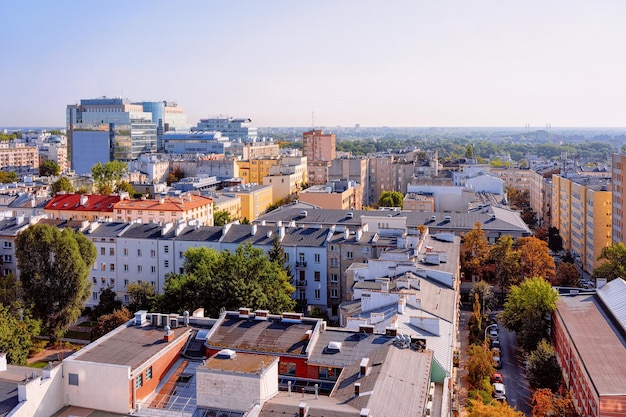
(19, 156)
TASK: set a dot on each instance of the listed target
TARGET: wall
(41, 397)
(100, 386)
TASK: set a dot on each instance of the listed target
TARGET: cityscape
(335, 209)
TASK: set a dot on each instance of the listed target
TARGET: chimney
(364, 367)
(365, 412)
(346, 234)
(83, 199)
(168, 334)
(303, 410)
(3, 362)
(359, 233)
(357, 389)
(281, 233)
(253, 229)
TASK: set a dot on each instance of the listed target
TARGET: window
(334, 262)
(72, 379)
(301, 257)
(126, 282)
(181, 270)
(317, 275)
(138, 252)
(302, 275)
(148, 374)
(103, 251)
(7, 258)
(125, 251)
(181, 255)
(94, 280)
(317, 258)
(103, 267)
(153, 269)
(166, 263)
(333, 247)
(125, 267)
(139, 268)
(328, 373)
(153, 283)
(317, 294)
(94, 295)
(112, 251)
(166, 249)
(112, 267)
(139, 381)
(152, 253)
(7, 272)
(349, 255)
(8, 244)
(287, 368)
(334, 278)
(103, 280)
(112, 280)
(333, 293)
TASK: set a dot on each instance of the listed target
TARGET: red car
(497, 378)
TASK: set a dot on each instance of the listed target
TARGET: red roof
(83, 202)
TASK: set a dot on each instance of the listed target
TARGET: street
(518, 393)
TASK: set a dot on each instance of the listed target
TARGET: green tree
(391, 199)
(110, 322)
(108, 303)
(474, 251)
(615, 262)
(11, 292)
(277, 255)
(108, 176)
(567, 275)
(507, 262)
(484, 292)
(543, 369)
(54, 271)
(475, 322)
(7, 177)
(62, 184)
(142, 296)
(526, 309)
(479, 365)
(49, 168)
(221, 217)
(124, 186)
(16, 335)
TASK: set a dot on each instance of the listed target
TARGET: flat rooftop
(600, 344)
(271, 336)
(248, 363)
(130, 346)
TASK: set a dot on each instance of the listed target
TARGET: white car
(499, 392)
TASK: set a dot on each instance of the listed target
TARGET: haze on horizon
(396, 63)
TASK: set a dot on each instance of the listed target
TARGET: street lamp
(487, 328)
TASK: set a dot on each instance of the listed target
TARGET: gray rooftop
(110, 230)
(354, 347)
(143, 231)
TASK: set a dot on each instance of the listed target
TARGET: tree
(543, 369)
(475, 323)
(479, 365)
(221, 217)
(547, 404)
(477, 408)
(567, 275)
(391, 199)
(142, 296)
(16, 335)
(62, 184)
(11, 292)
(526, 308)
(54, 270)
(507, 262)
(110, 322)
(108, 303)
(126, 187)
(277, 255)
(474, 251)
(555, 241)
(49, 168)
(7, 177)
(615, 262)
(483, 292)
(535, 260)
(107, 177)
(176, 175)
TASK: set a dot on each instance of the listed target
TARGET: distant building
(354, 169)
(237, 129)
(341, 195)
(319, 146)
(618, 177)
(201, 142)
(90, 207)
(418, 202)
(19, 156)
(186, 208)
(167, 117)
(255, 199)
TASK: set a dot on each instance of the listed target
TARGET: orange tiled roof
(72, 202)
(184, 203)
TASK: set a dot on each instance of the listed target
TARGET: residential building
(319, 146)
(318, 172)
(91, 207)
(255, 198)
(19, 156)
(582, 322)
(618, 178)
(581, 210)
(342, 195)
(185, 208)
(9, 229)
(237, 129)
(196, 142)
(155, 166)
(54, 148)
(540, 191)
(518, 178)
(228, 203)
(418, 202)
(354, 169)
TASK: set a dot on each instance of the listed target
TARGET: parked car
(499, 392)
(493, 334)
(498, 362)
(497, 378)
(495, 344)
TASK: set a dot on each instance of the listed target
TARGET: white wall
(41, 397)
(100, 386)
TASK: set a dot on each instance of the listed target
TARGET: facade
(229, 204)
(54, 148)
(318, 172)
(518, 178)
(201, 142)
(186, 208)
(106, 129)
(618, 178)
(581, 323)
(418, 202)
(354, 169)
(319, 146)
(255, 198)
(156, 167)
(91, 207)
(9, 229)
(167, 116)
(582, 209)
(340, 195)
(237, 129)
(19, 156)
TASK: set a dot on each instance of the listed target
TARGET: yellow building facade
(255, 199)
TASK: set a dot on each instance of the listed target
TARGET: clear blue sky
(393, 63)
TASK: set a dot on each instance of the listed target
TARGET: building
(167, 116)
(319, 146)
(155, 166)
(518, 178)
(255, 198)
(340, 195)
(236, 129)
(318, 172)
(228, 203)
(196, 142)
(582, 210)
(418, 202)
(185, 208)
(582, 324)
(106, 129)
(9, 229)
(91, 207)
(54, 148)
(618, 178)
(540, 191)
(353, 169)
(19, 156)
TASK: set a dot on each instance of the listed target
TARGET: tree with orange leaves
(494, 409)
(535, 259)
(546, 404)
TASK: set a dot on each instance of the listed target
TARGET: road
(517, 390)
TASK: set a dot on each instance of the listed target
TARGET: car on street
(498, 362)
(497, 378)
(495, 343)
(493, 334)
(499, 392)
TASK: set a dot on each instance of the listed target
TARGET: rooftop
(182, 203)
(248, 363)
(83, 202)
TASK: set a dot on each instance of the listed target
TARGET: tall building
(618, 180)
(237, 129)
(106, 129)
(319, 146)
(19, 156)
(167, 116)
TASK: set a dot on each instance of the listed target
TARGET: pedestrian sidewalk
(461, 371)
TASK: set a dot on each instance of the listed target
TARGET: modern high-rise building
(105, 129)
(236, 129)
(319, 146)
(618, 181)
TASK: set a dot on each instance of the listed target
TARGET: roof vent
(350, 215)
(433, 218)
(447, 218)
(244, 312)
(303, 410)
(261, 315)
(226, 354)
(366, 328)
(335, 346)
(292, 318)
(303, 213)
(365, 412)
(493, 217)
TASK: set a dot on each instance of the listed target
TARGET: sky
(324, 63)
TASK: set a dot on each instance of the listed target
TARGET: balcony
(301, 264)
(301, 283)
